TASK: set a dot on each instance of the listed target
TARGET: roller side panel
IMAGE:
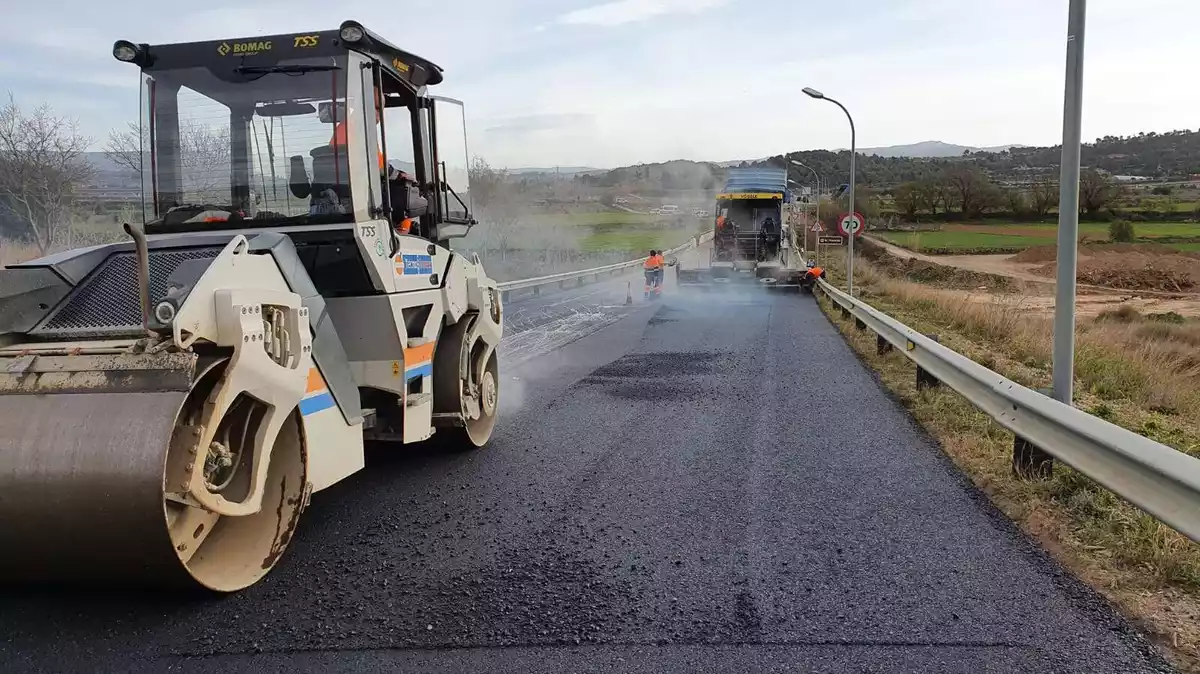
(328, 351)
(27, 295)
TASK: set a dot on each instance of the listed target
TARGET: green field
(1011, 237)
(594, 218)
(634, 239)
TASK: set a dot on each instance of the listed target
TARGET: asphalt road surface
(663, 495)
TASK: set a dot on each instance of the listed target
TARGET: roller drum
(81, 488)
(82, 494)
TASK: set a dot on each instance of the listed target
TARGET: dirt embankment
(921, 269)
(1028, 277)
(1125, 266)
(1146, 267)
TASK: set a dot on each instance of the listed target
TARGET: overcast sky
(589, 82)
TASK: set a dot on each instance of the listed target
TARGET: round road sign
(851, 224)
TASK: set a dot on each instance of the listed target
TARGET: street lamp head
(813, 92)
(798, 163)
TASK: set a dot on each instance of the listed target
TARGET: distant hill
(560, 170)
(930, 148)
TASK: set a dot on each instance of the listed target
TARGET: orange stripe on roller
(418, 354)
(315, 382)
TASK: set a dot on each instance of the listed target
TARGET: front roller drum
(83, 498)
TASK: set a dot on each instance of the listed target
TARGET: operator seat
(330, 185)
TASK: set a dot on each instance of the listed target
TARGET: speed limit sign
(851, 224)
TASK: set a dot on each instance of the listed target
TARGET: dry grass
(12, 253)
(1136, 371)
(1151, 361)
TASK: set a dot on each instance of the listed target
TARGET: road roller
(170, 402)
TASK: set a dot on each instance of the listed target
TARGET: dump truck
(752, 243)
(169, 403)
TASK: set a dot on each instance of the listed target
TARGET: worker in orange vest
(653, 270)
(340, 132)
(340, 140)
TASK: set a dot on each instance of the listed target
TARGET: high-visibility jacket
(652, 263)
(816, 271)
(340, 139)
(662, 261)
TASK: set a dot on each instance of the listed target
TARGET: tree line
(967, 191)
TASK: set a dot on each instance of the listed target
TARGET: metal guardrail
(1160, 480)
(595, 272)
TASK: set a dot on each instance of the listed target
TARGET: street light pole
(813, 93)
(817, 178)
(1068, 210)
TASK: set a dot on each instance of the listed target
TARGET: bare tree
(203, 155)
(909, 198)
(1043, 197)
(971, 189)
(42, 167)
(1096, 191)
(929, 194)
(486, 182)
(1015, 200)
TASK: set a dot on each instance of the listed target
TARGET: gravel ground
(659, 496)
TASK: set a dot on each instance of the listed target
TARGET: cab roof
(268, 49)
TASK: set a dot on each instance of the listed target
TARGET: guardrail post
(537, 290)
(859, 324)
(882, 346)
(924, 379)
(1028, 460)
(845, 311)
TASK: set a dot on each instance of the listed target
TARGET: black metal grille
(106, 303)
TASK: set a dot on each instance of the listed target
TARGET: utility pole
(1068, 210)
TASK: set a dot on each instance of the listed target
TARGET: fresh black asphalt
(712, 484)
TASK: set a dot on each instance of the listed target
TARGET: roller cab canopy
(226, 55)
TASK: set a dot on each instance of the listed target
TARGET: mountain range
(930, 148)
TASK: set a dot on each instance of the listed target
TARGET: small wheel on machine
(466, 381)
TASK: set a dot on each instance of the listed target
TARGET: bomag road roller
(169, 402)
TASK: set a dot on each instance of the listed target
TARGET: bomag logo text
(252, 47)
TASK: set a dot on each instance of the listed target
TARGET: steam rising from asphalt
(533, 332)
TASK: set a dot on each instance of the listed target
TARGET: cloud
(611, 82)
(631, 11)
(533, 123)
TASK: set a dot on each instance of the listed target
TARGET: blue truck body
(757, 181)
